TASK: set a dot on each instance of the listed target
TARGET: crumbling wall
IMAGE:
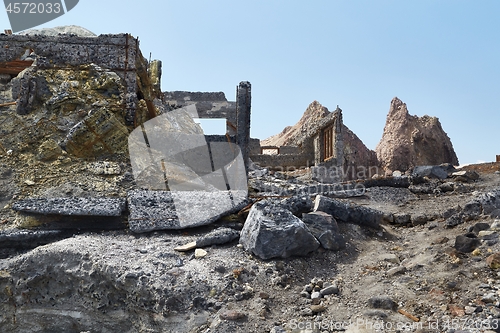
(214, 105)
(82, 94)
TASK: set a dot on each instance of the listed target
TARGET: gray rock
(273, 232)
(465, 175)
(465, 244)
(481, 226)
(382, 302)
(346, 212)
(217, 237)
(431, 171)
(420, 219)
(472, 210)
(298, 205)
(160, 210)
(72, 206)
(451, 211)
(402, 219)
(495, 214)
(396, 270)
(454, 220)
(324, 227)
(489, 201)
(330, 290)
(447, 187)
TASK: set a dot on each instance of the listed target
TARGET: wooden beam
(8, 104)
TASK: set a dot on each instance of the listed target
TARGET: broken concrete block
(161, 210)
(72, 206)
(348, 212)
(274, 232)
(324, 227)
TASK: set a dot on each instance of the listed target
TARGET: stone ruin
(68, 105)
(320, 140)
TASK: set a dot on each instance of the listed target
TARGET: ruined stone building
(84, 95)
(319, 139)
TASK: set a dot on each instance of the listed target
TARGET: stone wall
(284, 162)
(119, 53)
(82, 94)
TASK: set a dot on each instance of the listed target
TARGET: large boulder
(273, 232)
(409, 140)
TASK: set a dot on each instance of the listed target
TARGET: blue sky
(442, 58)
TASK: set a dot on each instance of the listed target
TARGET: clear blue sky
(442, 58)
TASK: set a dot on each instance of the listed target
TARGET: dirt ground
(435, 288)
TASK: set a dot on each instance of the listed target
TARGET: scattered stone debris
(269, 224)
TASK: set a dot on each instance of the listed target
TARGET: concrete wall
(212, 105)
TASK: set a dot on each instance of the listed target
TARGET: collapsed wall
(84, 94)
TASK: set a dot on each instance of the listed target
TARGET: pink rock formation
(409, 141)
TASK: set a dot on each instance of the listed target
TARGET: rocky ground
(407, 275)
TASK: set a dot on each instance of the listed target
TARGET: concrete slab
(72, 206)
(162, 210)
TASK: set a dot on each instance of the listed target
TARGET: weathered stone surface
(23, 239)
(324, 227)
(430, 171)
(72, 206)
(48, 150)
(99, 133)
(273, 232)
(346, 212)
(67, 29)
(409, 141)
(160, 210)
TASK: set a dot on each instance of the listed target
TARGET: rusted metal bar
(14, 67)
(408, 315)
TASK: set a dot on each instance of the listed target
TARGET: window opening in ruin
(270, 150)
(328, 142)
(212, 126)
